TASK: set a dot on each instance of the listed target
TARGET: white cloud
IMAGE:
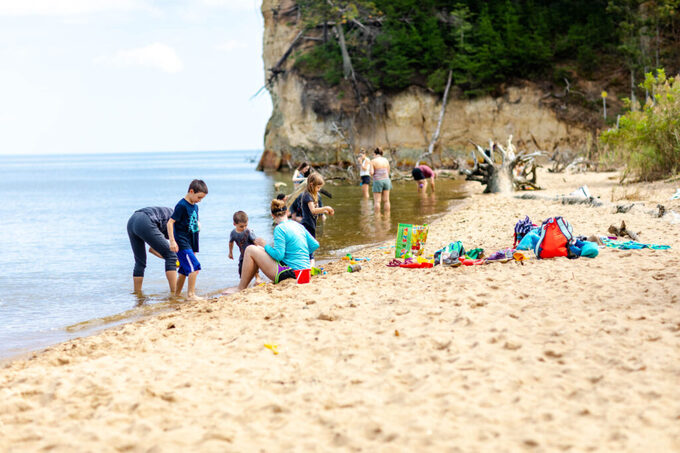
(67, 7)
(156, 55)
(236, 5)
(230, 45)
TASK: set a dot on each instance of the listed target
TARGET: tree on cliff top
(392, 44)
(336, 14)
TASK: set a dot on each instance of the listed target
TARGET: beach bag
(410, 240)
(449, 254)
(554, 238)
(586, 249)
(529, 240)
(522, 228)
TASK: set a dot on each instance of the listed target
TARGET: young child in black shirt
(243, 237)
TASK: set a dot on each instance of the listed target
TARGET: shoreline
(554, 354)
(97, 325)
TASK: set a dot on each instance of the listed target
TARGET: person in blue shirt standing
(183, 228)
(290, 251)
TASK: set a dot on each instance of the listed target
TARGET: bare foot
(194, 297)
(228, 291)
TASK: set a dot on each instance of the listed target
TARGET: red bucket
(302, 275)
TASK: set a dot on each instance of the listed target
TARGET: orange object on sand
(520, 256)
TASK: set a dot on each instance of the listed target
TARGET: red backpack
(555, 236)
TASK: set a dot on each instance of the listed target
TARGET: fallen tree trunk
(562, 199)
(347, 68)
(500, 177)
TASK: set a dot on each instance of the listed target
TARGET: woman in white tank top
(364, 172)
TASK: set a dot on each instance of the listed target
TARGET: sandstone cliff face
(315, 123)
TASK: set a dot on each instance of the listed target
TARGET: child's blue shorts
(187, 262)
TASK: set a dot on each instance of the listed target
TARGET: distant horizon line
(109, 153)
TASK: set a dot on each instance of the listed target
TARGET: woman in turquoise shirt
(290, 251)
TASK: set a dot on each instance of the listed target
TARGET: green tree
(633, 31)
(648, 139)
(393, 44)
(337, 12)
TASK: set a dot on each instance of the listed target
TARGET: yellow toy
(272, 347)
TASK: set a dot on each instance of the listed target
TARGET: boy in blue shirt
(183, 228)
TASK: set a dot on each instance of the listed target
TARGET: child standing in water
(301, 173)
(364, 172)
(183, 228)
(310, 203)
(243, 237)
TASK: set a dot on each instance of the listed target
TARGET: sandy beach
(551, 355)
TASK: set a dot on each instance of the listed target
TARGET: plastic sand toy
(272, 347)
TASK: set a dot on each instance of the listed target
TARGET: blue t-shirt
(186, 225)
(292, 245)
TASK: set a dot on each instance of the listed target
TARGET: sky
(107, 76)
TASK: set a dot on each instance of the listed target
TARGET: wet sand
(552, 355)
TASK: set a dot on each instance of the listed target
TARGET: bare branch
(520, 182)
(359, 24)
(528, 157)
(435, 136)
(276, 69)
(347, 68)
(474, 159)
(484, 155)
(504, 155)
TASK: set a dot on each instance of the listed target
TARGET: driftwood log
(562, 160)
(515, 171)
(567, 200)
(622, 231)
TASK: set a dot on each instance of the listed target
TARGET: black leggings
(142, 230)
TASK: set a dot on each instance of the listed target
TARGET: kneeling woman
(291, 249)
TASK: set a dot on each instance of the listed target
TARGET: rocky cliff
(311, 121)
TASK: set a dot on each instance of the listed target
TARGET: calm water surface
(68, 262)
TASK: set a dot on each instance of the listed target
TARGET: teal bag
(448, 253)
(589, 249)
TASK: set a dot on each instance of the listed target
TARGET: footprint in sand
(511, 345)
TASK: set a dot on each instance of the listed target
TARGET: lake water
(68, 262)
